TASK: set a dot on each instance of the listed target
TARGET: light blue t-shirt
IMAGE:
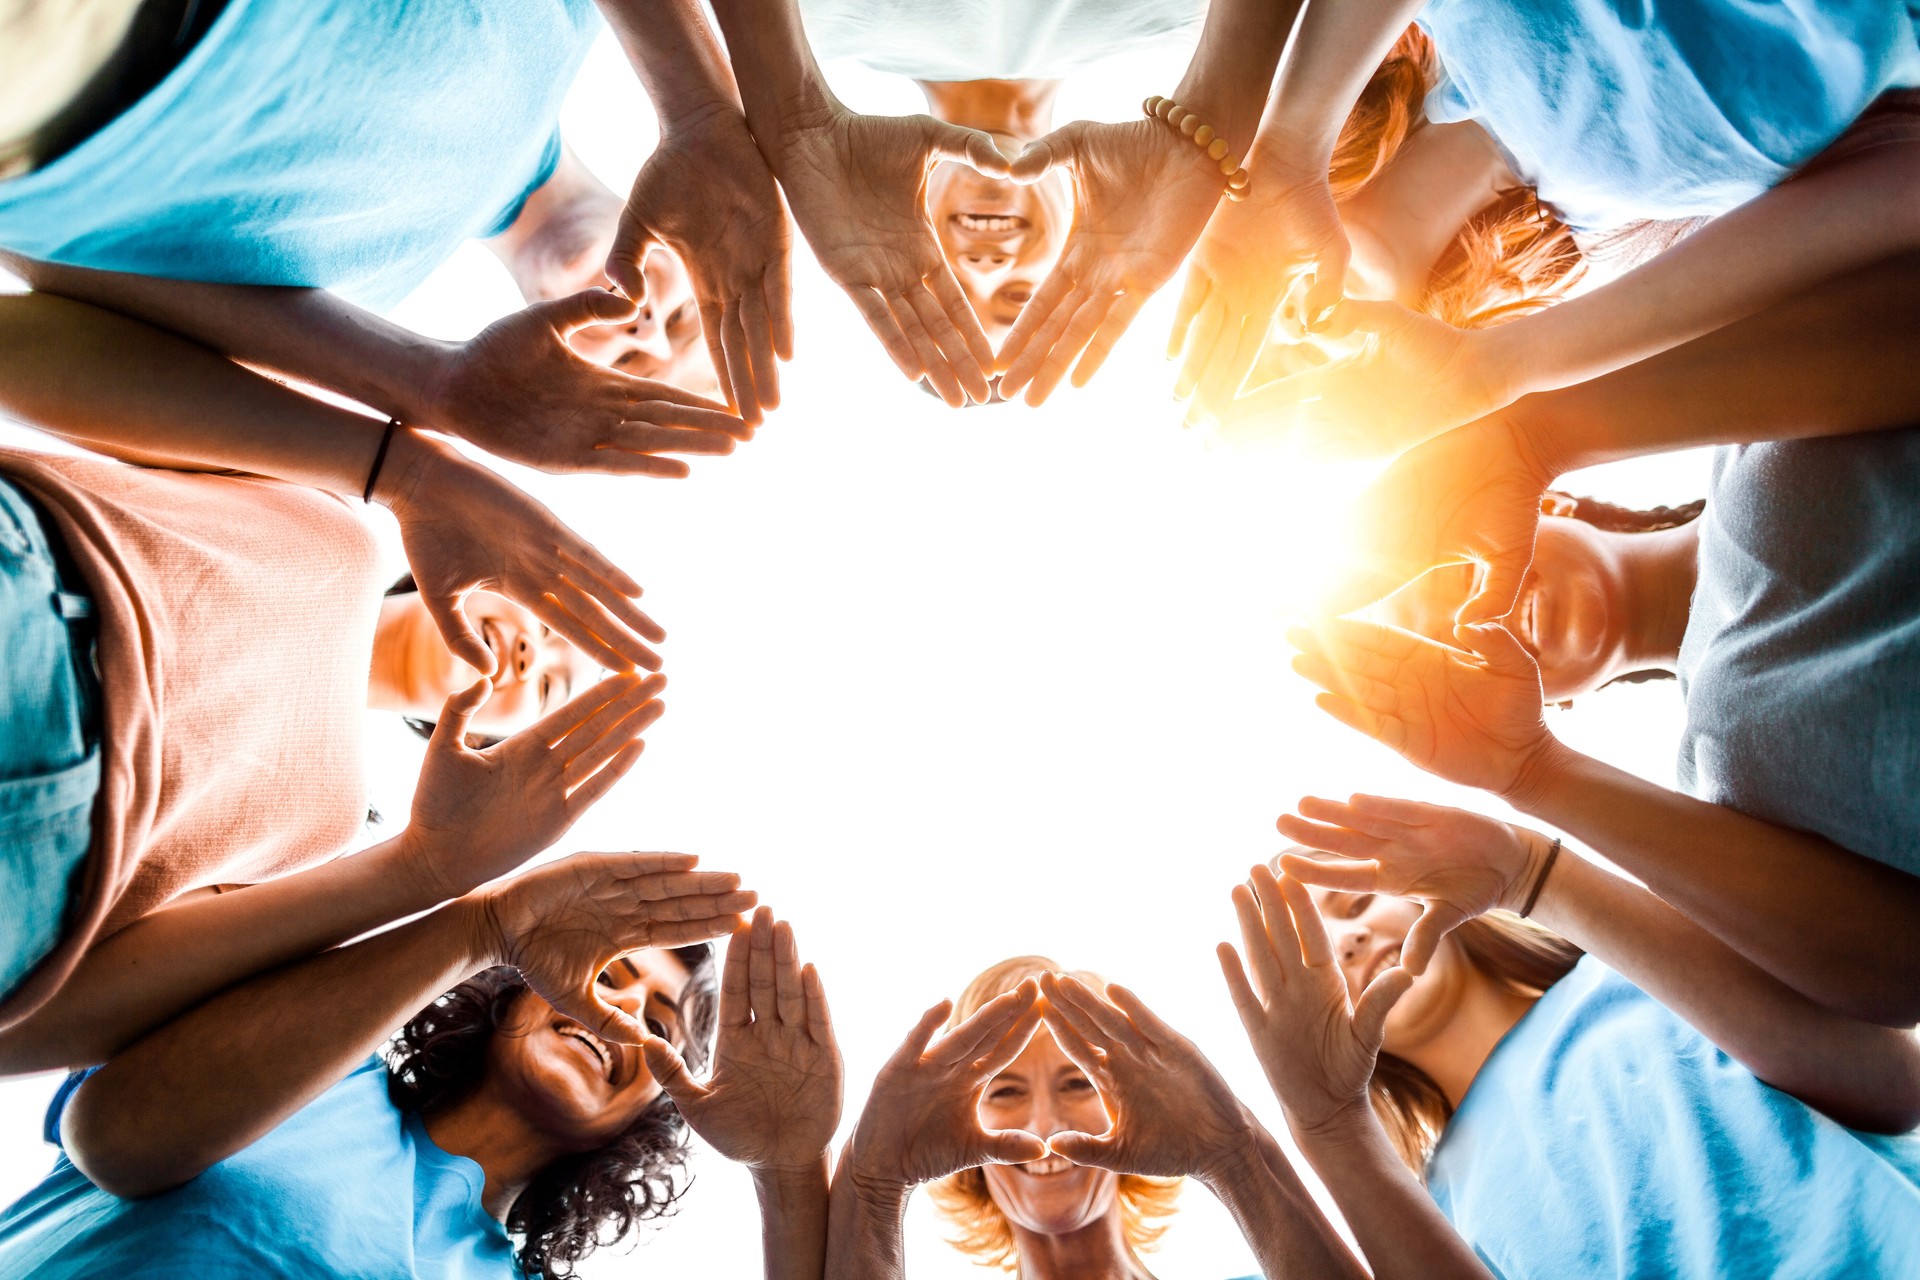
(1605, 1137)
(350, 1186)
(993, 39)
(1801, 662)
(348, 145)
(1619, 110)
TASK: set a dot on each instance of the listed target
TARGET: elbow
(100, 1141)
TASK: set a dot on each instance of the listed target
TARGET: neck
(498, 1138)
(1659, 570)
(1403, 220)
(386, 682)
(1454, 1057)
(1097, 1251)
(1021, 108)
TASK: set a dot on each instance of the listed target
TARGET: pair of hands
(1169, 1111)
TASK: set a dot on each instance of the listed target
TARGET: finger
(587, 794)
(701, 421)
(1096, 1151)
(776, 286)
(590, 762)
(684, 933)
(819, 1016)
(1262, 954)
(1040, 344)
(631, 864)
(1345, 875)
(626, 264)
(1086, 322)
(969, 146)
(1245, 1002)
(1315, 946)
(1192, 297)
(1118, 318)
(1376, 1002)
(1329, 282)
(733, 340)
(789, 999)
(1149, 1023)
(1332, 839)
(1073, 1042)
(583, 564)
(939, 374)
(1381, 728)
(1233, 360)
(458, 712)
(632, 694)
(948, 319)
(1041, 155)
(914, 1047)
(1012, 1043)
(665, 1065)
(1206, 335)
(988, 1022)
(585, 622)
(1282, 928)
(1062, 1012)
(762, 986)
(554, 727)
(1036, 315)
(1500, 579)
(1504, 654)
(587, 1008)
(1437, 920)
(760, 349)
(879, 317)
(1011, 1146)
(463, 639)
(1374, 695)
(1113, 1024)
(1359, 585)
(736, 1000)
(588, 307)
(1391, 809)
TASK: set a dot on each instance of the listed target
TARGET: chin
(1055, 1204)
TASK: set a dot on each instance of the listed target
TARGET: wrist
(475, 925)
(407, 470)
(792, 1183)
(1233, 1163)
(1348, 1127)
(1540, 774)
(1521, 881)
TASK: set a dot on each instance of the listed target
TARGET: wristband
(379, 459)
(1204, 137)
(1540, 881)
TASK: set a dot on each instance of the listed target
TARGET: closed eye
(1358, 904)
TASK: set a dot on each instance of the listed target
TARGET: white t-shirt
(992, 39)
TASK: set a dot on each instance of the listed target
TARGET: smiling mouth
(1386, 959)
(990, 226)
(1046, 1167)
(573, 1031)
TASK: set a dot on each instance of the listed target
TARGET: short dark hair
(579, 1202)
(1617, 519)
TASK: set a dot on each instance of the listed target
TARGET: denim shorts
(49, 736)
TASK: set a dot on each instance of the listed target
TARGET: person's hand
(922, 1120)
(857, 185)
(519, 391)
(465, 527)
(563, 923)
(1317, 1047)
(1470, 496)
(1460, 864)
(1170, 1112)
(478, 814)
(1141, 195)
(773, 1099)
(1252, 257)
(1472, 715)
(706, 193)
(1410, 378)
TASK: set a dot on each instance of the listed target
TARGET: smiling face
(1367, 931)
(664, 342)
(1570, 615)
(535, 670)
(1000, 238)
(578, 1089)
(1044, 1093)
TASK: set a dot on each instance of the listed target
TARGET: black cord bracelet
(1540, 881)
(379, 459)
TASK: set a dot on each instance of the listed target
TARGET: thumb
(1436, 921)
(1082, 1148)
(1499, 589)
(627, 262)
(590, 306)
(458, 631)
(970, 146)
(1504, 655)
(1376, 1002)
(1349, 315)
(457, 714)
(1011, 1146)
(666, 1065)
(1329, 282)
(1044, 154)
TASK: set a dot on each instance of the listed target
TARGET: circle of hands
(1373, 379)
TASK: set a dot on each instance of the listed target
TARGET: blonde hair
(1509, 259)
(979, 1229)
(1514, 954)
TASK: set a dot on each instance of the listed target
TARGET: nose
(986, 262)
(628, 1000)
(1353, 940)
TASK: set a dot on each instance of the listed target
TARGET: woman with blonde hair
(1055, 1126)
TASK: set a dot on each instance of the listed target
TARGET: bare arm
(1287, 1232)
(864, 1236)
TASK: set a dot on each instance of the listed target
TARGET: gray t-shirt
(992, 39)
(1801, 663)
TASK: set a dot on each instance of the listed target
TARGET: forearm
(793, 1221)
(780, 82)
(171, 960)
(131, 390)
(1841, 929)
(1864, 1076)
(218, 1078)
(1232, 68)
(864, 1237)
(1286, 1230)
(307, 335)
(1795, 237)
(1400, 1229)
(1334, 51)
(676, 56)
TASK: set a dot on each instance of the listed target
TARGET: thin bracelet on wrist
(1203, 136)
(379, 459)
(1540, 881)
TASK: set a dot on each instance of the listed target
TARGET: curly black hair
(1611, 518)
(579, 1202)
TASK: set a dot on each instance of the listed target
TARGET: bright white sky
(948, 686)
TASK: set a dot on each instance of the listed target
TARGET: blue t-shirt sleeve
(57, 1107)
(549, 161)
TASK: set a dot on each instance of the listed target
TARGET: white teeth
(989, 222)
(599, 1050)
(1045, 1167)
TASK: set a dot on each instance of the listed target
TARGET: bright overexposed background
(948, 686)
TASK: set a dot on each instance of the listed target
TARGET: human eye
(1358, 905)
(606, 978)
(658, 1028)
(1077, 1084)
(1003, 1093)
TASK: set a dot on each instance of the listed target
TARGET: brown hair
(1511, 258)
(1514, 954)
(980, 1230)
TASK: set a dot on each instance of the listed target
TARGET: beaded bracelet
(1204, 137)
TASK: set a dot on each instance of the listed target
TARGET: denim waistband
(25, 528)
